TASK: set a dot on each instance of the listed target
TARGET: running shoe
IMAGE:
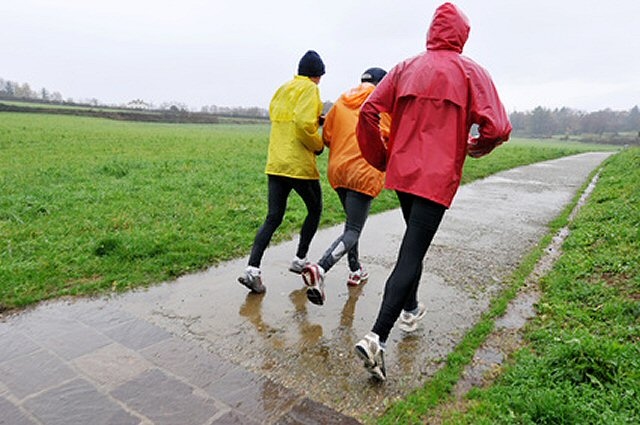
(409, 321)
(252, 280)
(371, 352)
(313, 277)
(359, 277)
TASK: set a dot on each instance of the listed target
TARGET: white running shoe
(409, 321)
(370, 350)
(252, 280)
(313, 277)
(298, 264)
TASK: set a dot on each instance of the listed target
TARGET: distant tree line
(247, 112)
(544, 122)
(540, 122)
(14, 90)
(236, 111)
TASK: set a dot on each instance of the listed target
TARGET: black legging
(422, 218)
(279, 189)
(356, 207)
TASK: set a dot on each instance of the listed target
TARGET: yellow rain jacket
(347, 168)
(294, 138)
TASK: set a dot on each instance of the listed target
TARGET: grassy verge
(581, 363)
(92, 205)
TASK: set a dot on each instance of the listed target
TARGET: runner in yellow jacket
(294, 142)
(355, 181)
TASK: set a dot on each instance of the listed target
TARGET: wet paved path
(201, 350)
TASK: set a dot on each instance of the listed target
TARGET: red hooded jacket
(433, 99)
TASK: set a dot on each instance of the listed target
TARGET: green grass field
(91, 205)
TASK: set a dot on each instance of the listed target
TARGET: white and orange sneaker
(313, 277)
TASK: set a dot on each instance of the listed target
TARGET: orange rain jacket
(347, 168)
(433, 99)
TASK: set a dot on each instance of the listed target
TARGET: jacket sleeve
(488, 112)
(327, 128)
(306, 113)
(370, 139)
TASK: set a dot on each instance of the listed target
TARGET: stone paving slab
(28, 375)
(201, 350)
(105, 366)
(165, 400)
(77, 402)
(12, 414)
(111, 366)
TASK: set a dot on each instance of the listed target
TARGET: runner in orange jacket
(355, 181)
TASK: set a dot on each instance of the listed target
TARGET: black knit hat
(311, 65)
(373, 75)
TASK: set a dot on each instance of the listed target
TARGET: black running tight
(422, 218)
(356, 206)
(279, 189)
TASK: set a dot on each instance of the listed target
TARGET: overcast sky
(584, 54)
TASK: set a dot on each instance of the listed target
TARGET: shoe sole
(296, 271)
(377, 374)
(364, 355)
(315, 296)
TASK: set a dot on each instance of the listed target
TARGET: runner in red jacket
(434, 99)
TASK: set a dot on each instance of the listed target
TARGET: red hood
(449, 29)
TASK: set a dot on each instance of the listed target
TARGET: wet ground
(202, 350)
(507, 335)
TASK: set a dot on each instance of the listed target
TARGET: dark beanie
(373, 75)
(311, 65)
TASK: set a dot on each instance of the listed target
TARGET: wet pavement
(202, 350)
(508, 332)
